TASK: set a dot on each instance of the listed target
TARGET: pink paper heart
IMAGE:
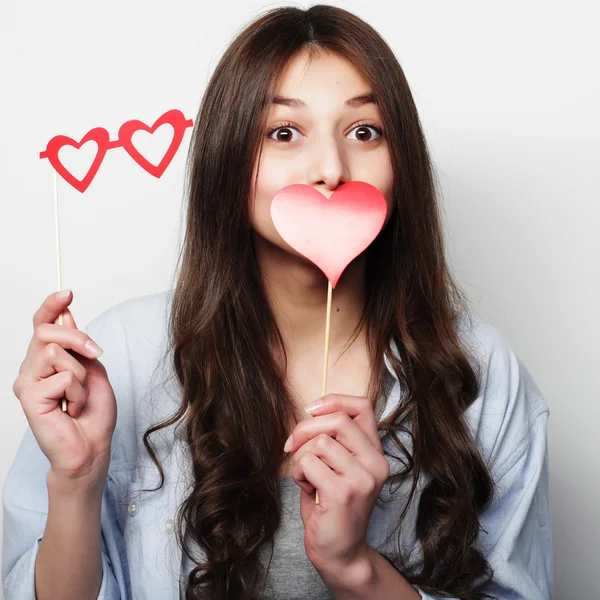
(330, 232)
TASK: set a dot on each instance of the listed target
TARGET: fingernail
(314, 406)
(93, 348)
(63, 294)
(288, 444)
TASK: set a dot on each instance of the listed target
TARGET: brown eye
(282, 134)
(364, 135)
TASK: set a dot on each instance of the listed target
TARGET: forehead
(325, 75)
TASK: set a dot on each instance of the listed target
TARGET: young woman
(428, 454)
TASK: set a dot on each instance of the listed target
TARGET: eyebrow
(355, 102)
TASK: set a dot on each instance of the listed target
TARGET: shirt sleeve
(515, 535)
(25, 511)
(518, 539)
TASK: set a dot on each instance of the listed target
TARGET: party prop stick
(330, 232)
(327, 327)
(58, 262)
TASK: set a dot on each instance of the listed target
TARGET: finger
(358, 408)
(52, 359)
(315, 472)
(73, 339)
(67, 319)
(42, 397)
(339, 425)
(51, 307)
(341, 454)
(331, 452)
(309, 488)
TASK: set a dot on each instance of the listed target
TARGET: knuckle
(322, 440)
(17, 386)
(341, 419)
(302, 460)
(51, 350)
(385, 469)
(70, 377)
(369, 484)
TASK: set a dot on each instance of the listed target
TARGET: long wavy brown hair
(225, 344)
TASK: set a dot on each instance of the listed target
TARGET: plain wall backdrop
(508, 95)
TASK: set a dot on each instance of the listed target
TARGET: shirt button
(133, 509)
(170, 526)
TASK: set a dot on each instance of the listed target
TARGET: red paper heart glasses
(174, 117)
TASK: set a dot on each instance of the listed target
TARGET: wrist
(349, 580)
(89, 488)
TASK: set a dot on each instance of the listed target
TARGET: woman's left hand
(348, 472)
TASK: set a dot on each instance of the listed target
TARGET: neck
(297, 292)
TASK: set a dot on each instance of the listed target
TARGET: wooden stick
(58, 261)
(327, 329)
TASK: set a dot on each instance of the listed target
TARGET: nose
(327, 164)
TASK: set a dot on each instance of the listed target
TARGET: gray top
(291, 575)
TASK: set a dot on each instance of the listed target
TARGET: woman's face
(324, 142)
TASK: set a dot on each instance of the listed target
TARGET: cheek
(274, 173)
(383, 174)
(377, 171)
(260, 211)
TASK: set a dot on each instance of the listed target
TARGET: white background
(508, 94)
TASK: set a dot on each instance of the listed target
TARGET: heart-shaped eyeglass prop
(100, 136)
(330, 232)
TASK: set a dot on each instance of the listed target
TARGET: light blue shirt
(140, 554)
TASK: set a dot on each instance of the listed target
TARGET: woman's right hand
(76, 442)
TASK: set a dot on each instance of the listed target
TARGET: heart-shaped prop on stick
(330, 232)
